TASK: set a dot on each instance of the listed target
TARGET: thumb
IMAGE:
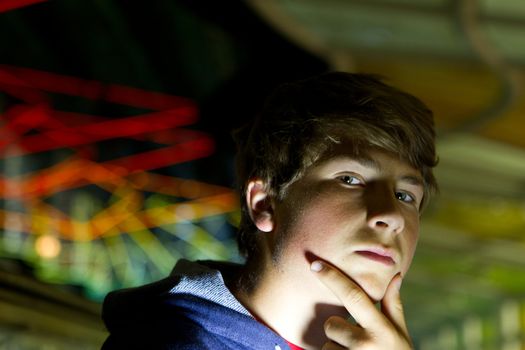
(392, 307)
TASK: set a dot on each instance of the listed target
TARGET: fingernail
(316, 266)
(397, 283)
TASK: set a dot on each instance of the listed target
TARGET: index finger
(354, 299)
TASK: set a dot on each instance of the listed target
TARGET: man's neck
(289, 308)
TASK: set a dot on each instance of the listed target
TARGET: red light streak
(85, 134)
(89, 89)
(59, 129)
(8, 5)
(76, 172)
(36, 127)
(165, 156)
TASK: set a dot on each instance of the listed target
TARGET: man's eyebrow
(366, 161)
(413, 180)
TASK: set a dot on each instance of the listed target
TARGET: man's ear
(259, 205)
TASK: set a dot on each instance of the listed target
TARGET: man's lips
(380, 255)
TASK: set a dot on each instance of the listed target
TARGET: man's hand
(376, 329)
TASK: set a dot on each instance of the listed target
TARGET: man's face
(359, 214)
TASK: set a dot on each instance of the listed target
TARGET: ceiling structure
(465, 59)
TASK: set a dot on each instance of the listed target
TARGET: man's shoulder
(125, 305)
(190, 309)
(179, 321)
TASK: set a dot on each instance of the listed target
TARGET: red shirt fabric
(293, 346)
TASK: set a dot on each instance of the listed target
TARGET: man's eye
(405, 197)
(351, 180)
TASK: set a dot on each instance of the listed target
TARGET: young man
(333, 174)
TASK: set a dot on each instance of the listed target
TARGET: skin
(340, 241)
(375, 329)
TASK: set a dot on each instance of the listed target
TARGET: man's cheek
(409, 256)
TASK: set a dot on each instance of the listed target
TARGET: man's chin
(373, 286)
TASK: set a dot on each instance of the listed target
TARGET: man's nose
(384, 212)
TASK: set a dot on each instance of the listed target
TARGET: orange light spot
(47, 246)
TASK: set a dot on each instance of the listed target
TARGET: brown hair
(302, 120)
